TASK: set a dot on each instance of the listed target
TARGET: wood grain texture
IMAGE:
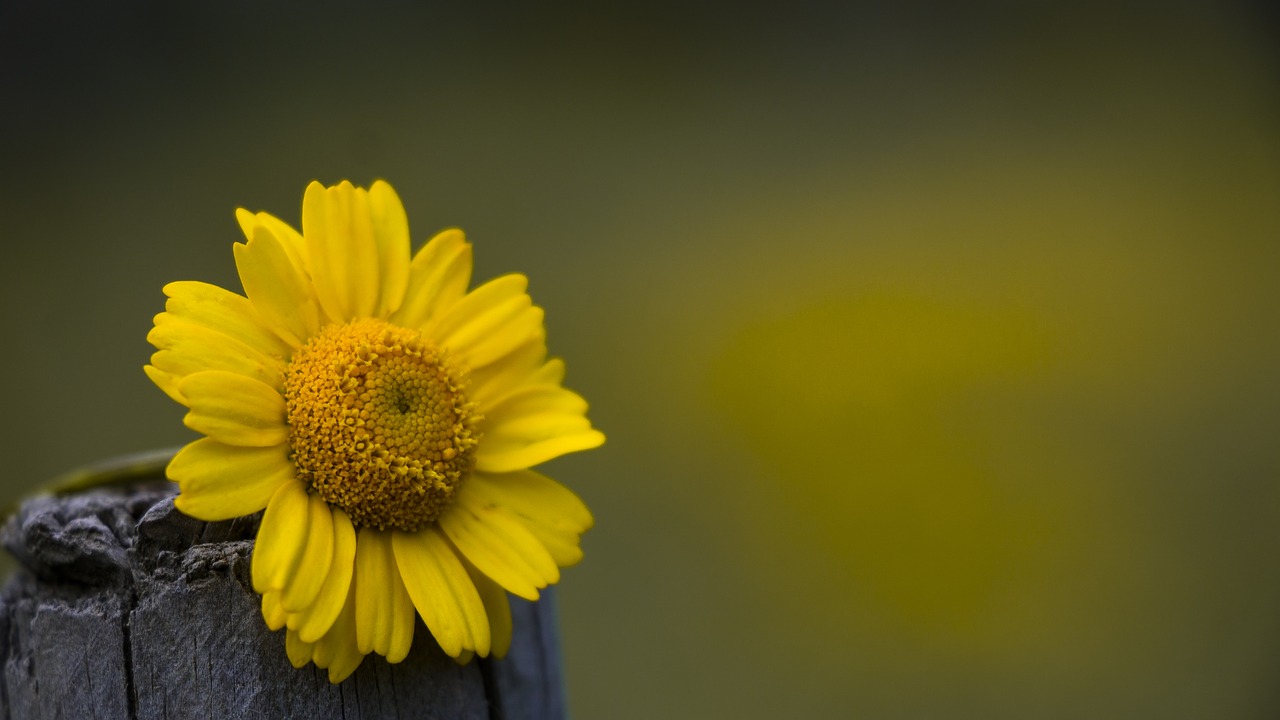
(126, 608)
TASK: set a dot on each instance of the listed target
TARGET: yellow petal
(532, 425)
(438, 278)
(520, 375)
(219, 482)
(272, 611)
(403, 614)
(549, 510)
(219, 309)
(499, 457)
(500, 330)
(551, 372)
(234, 409)
(167, 382)
(474, 305)
(337, 650)
(345, 662)
(340, 633)
(278, 289)
(316, 620)
(338, 229)
(518, 368)
(384, 613)
(278, 548)
(499, 546)
(315, 558)
(513, 338)
(496, 607)
(536, 399)
(442, 591)
(186, 349)
(391, 234)
(289, 238)
(563, 547)
(541, 499)
(373, 580)
(299, 652)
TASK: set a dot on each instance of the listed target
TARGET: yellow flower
(387, 421)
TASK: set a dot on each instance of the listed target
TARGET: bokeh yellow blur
(937, 346)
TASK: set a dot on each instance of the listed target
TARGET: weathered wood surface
(126, 608)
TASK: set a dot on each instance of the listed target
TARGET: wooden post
(126, 608)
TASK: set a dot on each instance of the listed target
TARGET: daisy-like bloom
(386, 419)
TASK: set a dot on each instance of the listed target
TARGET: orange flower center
(379, 423)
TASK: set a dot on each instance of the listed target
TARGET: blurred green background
(936, 344)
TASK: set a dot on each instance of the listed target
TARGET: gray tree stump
(126, 608)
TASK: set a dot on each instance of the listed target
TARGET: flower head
(386, 419)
